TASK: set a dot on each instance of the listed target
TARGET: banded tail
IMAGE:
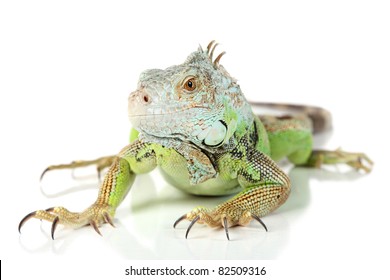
(321, 118)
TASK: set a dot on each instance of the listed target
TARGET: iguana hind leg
(101, 163)
(291, 137)
(359, 161)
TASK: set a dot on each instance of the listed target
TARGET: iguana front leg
(134, 159)
(266, 187)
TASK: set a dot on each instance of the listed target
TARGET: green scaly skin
(193, 121)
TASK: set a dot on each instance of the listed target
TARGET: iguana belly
(175, 171)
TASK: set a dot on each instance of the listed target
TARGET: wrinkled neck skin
(200, 122)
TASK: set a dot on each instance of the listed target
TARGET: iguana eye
(190, 84)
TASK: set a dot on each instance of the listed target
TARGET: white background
(66, 69)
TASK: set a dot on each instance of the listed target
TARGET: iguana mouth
(178, 136)
(160, 111)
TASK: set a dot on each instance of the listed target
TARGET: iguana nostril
(145, 97)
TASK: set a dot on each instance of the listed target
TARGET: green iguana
(193, 121)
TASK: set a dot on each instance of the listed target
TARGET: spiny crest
(210, 52)
(206, 55)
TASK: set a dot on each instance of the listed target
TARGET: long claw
(43, 174)
(25, 219)
(49, 168)
(95, 227)
(54, 226)
(260, 221)
(225, 225)
(108, 219)
(179, 220)
(191, 224)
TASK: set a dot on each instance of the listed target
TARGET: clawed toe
(358, 161)
(260, 221)
(191, 224)
(223, 221)
(40, 214)
(95, 227)
(54, 226)
(93, 216)
(184, 217)
(362, 163)
(101, 163)
(181, 218)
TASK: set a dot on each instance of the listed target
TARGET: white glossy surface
(66, 73)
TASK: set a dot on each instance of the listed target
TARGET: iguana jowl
(193, 121)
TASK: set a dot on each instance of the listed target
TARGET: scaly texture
(193, 121)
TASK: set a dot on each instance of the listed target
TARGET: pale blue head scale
(189, 101)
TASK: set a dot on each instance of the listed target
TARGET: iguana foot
(101, 163)
(226, 217)
(94, 216)
(359, 161)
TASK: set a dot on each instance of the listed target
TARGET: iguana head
(196, 102)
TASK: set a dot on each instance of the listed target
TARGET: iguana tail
(321, 118)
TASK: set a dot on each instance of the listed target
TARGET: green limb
(289, 137)
(134, 159)
(265, 188)
(100, 163)
(358, 161)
